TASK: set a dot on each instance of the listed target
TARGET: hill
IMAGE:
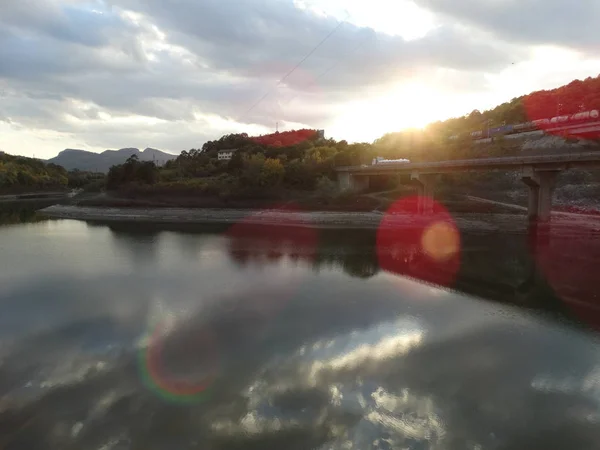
(571, 105)
(72, 159)
(21, 174)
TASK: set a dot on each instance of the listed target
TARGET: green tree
(132, 171)
(251, 174)
(272, 173)
(326, 188)
(299, 175)
(236, 163)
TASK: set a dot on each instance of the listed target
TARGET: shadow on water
(352, 251)
(510, 268)
(139, 243)
(22, 211)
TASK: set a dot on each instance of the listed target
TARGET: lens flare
(192, 347)
(566, 255)
(440, 241)
(422, 246)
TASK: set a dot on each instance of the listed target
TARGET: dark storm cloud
(562, 22)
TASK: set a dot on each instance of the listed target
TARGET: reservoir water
(139, 336)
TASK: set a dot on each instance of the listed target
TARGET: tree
(298, 175)
(132, 171)
(18, 173)
(251, 173)
(272, 173)
(146, 173)
(326, 188)
(236, 163)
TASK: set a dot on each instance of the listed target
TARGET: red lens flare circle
(422, 246)
(567, 255)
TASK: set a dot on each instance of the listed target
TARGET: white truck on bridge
(382, 160)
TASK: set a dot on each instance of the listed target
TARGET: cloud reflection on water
(342, 362)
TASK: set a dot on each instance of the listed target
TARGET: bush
(298, 175)
(95, 186)
(326, 188)
(197, 187)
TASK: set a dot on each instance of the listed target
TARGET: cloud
(103, 71)
(266, 38)
(558, 22)
(73, 22)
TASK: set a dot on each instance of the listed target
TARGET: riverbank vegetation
(19, 174)
(261, 168)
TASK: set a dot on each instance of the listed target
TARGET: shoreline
(473, 222)
(6, 198)
(200, 216)
(571, 224)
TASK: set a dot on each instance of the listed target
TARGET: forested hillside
(261, 168)
(572, 98)
(433, 142)
(20, 174)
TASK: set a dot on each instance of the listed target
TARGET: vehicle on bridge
(382, 160)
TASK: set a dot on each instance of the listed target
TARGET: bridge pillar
(344, 181)
(541, 188)
(425, 190)
(354, 183)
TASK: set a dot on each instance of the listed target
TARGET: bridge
(537, 172)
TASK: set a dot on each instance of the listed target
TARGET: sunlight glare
(412, 105)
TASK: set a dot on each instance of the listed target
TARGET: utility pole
(276, 127)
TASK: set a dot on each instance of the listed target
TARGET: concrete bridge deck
(561, 161)
(537, 172)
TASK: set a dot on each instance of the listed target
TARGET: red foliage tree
(285, 138)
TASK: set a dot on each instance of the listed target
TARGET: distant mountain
(101, 162)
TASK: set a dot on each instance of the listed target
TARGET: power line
(333, 66)
(312, 51)
(329, 69)
(287, 75)
(364, 41)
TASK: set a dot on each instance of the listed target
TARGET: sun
(411, 105)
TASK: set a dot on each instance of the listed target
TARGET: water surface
(160, 337)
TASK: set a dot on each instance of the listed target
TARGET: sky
(172, 74)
